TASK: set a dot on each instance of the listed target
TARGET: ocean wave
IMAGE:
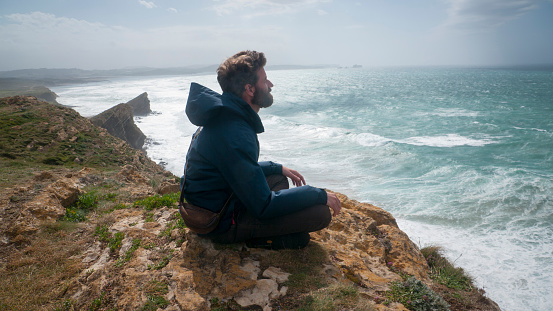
(449, 140)
(530, 129)
(452, 112)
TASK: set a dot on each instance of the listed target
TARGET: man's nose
(270, 83)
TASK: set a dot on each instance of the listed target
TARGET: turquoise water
(463, 158)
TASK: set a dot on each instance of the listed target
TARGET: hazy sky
(109, 34)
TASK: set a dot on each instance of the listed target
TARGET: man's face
(262, 95)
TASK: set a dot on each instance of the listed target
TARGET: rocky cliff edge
(129, 250)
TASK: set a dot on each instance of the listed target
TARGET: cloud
(172, 10)
(484, 15)
(39, 39)
(146, 4)
(253, 8)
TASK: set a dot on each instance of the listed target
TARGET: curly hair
(240, 69)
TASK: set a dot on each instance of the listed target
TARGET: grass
(40, 143)
(128, 254)
(163, 262)
(308, 289)
(453, 283)
(38, 274)
(335, 297)
(304, 265)
(155, 291)
(40, 136)
(443, 272)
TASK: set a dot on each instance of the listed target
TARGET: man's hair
(240, 69)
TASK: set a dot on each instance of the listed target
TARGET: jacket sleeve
(239, 167)
(270, 168)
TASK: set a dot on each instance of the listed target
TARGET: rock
(363, 246)
(119, 122)
(130, 174)
(47, 206)
(168, 187)
(276, 274)
(140, 105)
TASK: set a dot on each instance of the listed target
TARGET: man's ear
(249, 89)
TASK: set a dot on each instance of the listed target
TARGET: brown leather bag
(200, 220)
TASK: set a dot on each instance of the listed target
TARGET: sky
(114, 34)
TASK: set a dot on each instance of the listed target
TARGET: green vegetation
(158, 201)
(113, 240)
(176, 223)
(414, 295)
(37, 136)
(335, 297)
(14, 87)
(454, 285)
(85, 203)
(155, 290)
(443, 272)
(163, 262)
(128, 254)
(97, 303)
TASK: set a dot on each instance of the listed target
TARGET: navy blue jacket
(224, 160)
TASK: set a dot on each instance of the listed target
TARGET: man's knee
(322, 216)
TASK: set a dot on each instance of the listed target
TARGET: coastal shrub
(415, 295)
(102, 233)
(112, 197)
(53, 161)
(73, 214)
(443, 272)
(87, 201)
(78, 210)
(157, 201)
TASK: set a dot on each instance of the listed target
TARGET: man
(222, 167)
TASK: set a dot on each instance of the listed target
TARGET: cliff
(140, 105)
(26, 87)
(119, 122)
(97, 234)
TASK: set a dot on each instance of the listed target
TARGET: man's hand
(296, 177)
(334, 203)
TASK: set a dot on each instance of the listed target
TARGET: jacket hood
(205, 105)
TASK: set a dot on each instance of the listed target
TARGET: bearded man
(222, 172)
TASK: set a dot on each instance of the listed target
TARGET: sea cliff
(89, 223)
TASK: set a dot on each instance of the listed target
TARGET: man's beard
(262, 99)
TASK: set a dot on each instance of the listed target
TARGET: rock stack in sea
(140, 105)
(119, 122)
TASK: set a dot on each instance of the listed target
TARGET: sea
(461, 157)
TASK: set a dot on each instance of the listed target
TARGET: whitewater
(462, 157)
